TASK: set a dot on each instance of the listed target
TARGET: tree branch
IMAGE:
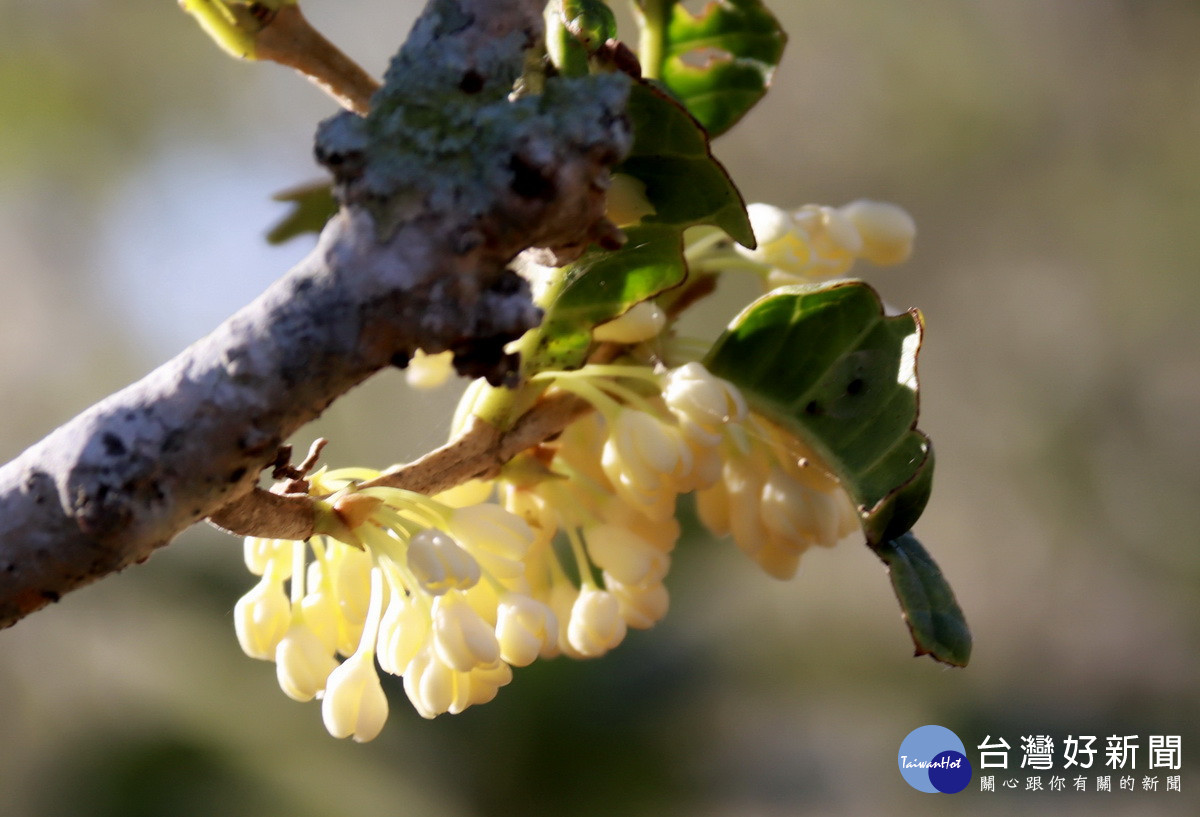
(441, 185)
(477, 453)
(288, 39)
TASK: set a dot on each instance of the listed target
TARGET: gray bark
(442, 185)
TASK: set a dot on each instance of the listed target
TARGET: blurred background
(1050, 153)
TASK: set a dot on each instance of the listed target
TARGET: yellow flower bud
(403, 631)
(642, 321)
(354, 703)
(887, 230)
(262, 554)
(302, 663)
(439, 563)
(622, 553)
(627, 203)
(431, 685)
(498, 539)
(461, 639)
(523, 627)
(261, 617)
(596, 625)
(642, 606)
(482, 684)
(781, 245)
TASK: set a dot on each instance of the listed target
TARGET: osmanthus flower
(775, 498)
(811, 243)
(602, 496)
(405, 580)
(451, 592)
(355, 704)
(262, 616)
(642, 321)
(644, 456)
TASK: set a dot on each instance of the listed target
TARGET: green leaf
(684, 181)
(721, 62)
(600, 286)
(312, 206)
(931, 612)
(825, 363)
(686, 186)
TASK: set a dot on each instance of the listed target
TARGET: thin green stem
(693, 253)
(584, 389)
(370, 633)
(596, 384)
(581, 560)
(593, 370)
(298, 568)
(652, 39)
(501, 407)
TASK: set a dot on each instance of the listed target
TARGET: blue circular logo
(950, 772)
(932, 759)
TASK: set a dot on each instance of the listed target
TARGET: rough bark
(442, 185)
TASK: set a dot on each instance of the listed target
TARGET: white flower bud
(641, 447)
(646, 461)
(833, 236)
(352, 586)
(699, 398)
(413, 676)
(482, 684)
(887, 230)
(596, 625)
(533, 508)
(706, 469)
(302, 663)
(432, 686)
(807, 510)
(262, 554)
(322, 616)
(627, 203)
(712, 506)
(743, 486)
(439, 564)
(662, 535)
(524, 626)
(787, 510)
(499, 540)
(778, 560)
(461, 638)
(354, 704)
(642, 606)
(261, 617)
(781, 245)
(403, 631)
(704, 405)
(642, 321)
(624, 554)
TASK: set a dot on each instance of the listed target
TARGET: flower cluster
(775, 498)
(429, 591)
(818, 241)
(563, 553)
(568, 547)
